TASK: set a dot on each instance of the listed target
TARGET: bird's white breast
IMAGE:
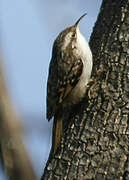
(83, 51)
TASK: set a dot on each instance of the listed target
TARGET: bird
(69, 73)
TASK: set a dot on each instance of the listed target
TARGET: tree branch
(14, 157)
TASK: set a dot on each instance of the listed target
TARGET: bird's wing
(70, 80)
(62, 78)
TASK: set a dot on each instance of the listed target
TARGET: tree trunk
(96, 142)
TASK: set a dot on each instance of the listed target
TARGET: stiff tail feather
(57, 133)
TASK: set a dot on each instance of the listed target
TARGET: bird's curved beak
(78, 21)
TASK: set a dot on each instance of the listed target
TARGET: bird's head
(70, 37)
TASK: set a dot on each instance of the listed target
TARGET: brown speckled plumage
(69, 72)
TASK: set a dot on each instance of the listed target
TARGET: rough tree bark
(96, 143)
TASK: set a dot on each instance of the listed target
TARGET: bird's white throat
(83, 46)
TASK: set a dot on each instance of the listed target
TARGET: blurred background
(28, 29)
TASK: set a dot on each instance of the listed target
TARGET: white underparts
(83, 51)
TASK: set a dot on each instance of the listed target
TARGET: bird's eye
(73, 35)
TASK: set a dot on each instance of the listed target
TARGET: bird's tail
(57, 132)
